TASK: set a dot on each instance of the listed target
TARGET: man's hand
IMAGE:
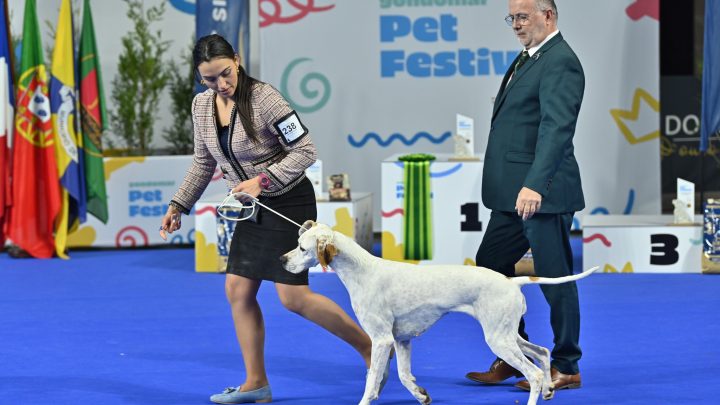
(528, 203)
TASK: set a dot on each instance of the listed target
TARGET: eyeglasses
(522, 18)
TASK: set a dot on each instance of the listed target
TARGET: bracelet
(265, 182)
(178, 207)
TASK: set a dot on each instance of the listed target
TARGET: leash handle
(253, 201)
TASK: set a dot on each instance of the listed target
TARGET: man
(531, 180)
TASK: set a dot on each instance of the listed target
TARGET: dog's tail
(521, 281)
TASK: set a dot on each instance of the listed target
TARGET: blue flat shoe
(235, 396)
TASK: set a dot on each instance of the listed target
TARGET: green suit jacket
(531, 133)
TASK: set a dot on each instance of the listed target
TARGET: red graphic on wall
(642, 8)
(209, 209)
(133, 236)
(276, 17)
(598, 236)
(389, 214)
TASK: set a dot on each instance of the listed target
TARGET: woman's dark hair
(214, 46)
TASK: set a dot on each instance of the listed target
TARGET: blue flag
(229, 20)
(68, 139)
(710, 116)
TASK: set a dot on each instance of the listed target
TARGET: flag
(94, 120)
(710, 114)
(233, 26)
(6, 115)
(35, 188)
(68, 147)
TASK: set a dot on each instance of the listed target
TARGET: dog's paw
(548, 394)
(424, 398)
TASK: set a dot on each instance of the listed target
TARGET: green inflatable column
(417, 226)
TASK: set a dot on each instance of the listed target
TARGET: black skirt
(256, 248)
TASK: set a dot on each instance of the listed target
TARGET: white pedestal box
(641, 244)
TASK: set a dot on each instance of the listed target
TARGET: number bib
(290, 128)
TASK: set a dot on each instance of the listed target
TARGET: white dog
(396, 302)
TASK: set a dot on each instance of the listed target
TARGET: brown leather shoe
(499, 371)
(561, 381)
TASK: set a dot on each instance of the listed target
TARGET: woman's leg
(326, 313)
(241, 293)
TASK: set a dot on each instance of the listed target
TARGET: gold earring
(202, 82)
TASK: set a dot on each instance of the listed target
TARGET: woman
(247, 128)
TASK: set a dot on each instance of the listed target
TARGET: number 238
(289, 128)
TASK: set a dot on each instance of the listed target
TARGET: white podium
(458, 216)
(641, 244)
(352, 218)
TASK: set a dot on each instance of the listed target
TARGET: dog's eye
(301, 248)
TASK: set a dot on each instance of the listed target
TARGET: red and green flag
(35, 187)
(94, 120)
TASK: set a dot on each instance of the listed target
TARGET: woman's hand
(170, 222)
(251, 187)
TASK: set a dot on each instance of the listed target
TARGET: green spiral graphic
(305, 89)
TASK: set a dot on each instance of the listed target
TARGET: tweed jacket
(283, 164)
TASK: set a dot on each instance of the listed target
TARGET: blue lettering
(425, 29)
(448, 27)
(483, 62)
(391, 62)
(466, 62)
(393, 26)
(418, 64)
(147, 210)
(503, 64)
(466, 58)
(444, 64)
(152, 195)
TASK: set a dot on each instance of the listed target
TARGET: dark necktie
(524, 56)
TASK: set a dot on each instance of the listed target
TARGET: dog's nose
(283, 259)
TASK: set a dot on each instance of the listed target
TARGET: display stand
(641, 244)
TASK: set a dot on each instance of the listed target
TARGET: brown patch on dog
(326, 252)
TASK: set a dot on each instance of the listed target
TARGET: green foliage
(142, 76)
(180, 134)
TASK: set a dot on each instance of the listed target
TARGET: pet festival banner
(393, 74)
(393, 80)
(139, 189)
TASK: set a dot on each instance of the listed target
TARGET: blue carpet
(141, 327)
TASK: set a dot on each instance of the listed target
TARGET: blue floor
(141, 327)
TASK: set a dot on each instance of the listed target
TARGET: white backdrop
(358, 117)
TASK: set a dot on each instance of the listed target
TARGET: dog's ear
(306, 226)
(326, 252)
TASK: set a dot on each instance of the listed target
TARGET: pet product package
(711, 237)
